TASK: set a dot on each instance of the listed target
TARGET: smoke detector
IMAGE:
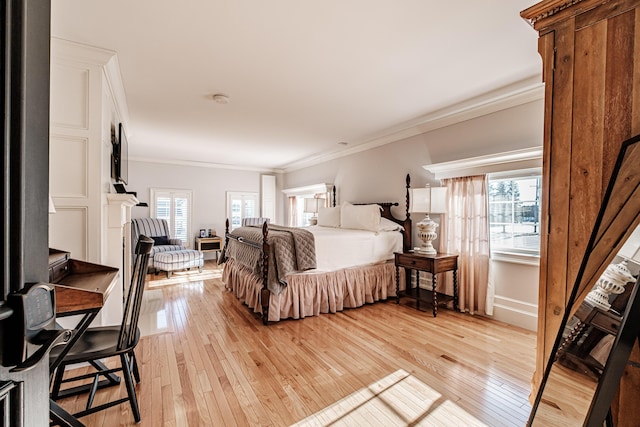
(221, 98)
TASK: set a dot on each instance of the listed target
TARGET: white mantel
(118, 252)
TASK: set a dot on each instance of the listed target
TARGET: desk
(433, 264)
(81, 289)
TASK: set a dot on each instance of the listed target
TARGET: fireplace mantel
(117, 251)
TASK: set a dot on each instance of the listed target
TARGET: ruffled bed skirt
(312, 293)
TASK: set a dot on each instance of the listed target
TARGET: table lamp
(616, 276)
(428, 200)
(312, 205)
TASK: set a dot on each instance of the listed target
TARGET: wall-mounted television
(120, 156)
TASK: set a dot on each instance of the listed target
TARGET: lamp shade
(420, 200)
(429, 200)
(312, 205)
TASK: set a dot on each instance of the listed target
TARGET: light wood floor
(382, 364)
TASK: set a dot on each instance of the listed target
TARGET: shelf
(426, 296)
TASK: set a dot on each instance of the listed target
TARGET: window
(241, 205)
(175, 207)
(514, 213)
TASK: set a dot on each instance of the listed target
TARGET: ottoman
(178, 260)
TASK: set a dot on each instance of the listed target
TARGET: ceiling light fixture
(221, 98)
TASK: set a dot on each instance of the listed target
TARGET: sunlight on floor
(153, 319)
(398, 399)
(187, 276)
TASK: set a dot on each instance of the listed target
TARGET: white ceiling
(301, 75)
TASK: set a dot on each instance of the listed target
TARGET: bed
(346, 261)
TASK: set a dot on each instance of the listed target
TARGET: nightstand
(433, 264)
(209, 244)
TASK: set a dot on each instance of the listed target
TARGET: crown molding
(545, 9)
(91, 56)
(113, 78)
(523, 92)
(192, 163)
(80, 53)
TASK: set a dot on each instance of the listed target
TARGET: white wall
(86, 101)
(379, 175)
(516, 292)
(374, 175)
(209, 186)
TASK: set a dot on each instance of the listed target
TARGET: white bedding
(338, 248)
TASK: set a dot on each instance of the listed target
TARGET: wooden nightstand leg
(417, 289)
(434, 284)
(455, 290)
(397, 285)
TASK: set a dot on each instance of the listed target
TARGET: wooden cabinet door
(591, 68)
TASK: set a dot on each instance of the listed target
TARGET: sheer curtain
(293, 211)
(466, 233)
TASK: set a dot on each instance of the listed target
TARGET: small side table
(209, 244)
(433, 264)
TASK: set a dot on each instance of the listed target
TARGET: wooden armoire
(591, 68)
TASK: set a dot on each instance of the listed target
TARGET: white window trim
(516, 256)
(152, 208)
(517, 160)
(241, 195)
(509, 164)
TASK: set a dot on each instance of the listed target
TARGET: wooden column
(591, 68)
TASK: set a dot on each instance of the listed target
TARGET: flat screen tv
(120, 157)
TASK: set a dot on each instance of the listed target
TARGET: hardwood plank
(635, 106)
(619, 88)
(546, 49)
(588, 130)
(559, 147)
(381, 364)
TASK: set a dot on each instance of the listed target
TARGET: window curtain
(293, 211)
(466, 233)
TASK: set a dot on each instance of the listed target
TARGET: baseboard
(515, 312)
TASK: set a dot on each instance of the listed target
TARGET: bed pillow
(160, 240)
(329, 217)
(360, 217)
(388, 225)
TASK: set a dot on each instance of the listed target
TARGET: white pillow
(387, 225)
(329, 217)
(360, 217)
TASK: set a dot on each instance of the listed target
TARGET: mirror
(585, 348)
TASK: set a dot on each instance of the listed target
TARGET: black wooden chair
(109, 341)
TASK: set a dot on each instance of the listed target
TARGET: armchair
(158, 230)
(254, 221)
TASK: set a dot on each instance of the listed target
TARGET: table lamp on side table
(312, 205)
(428, 200)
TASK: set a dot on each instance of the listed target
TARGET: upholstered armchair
(158, 230)
(254, 221)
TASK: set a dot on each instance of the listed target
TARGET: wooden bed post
(264, 292)
(408, 236)
(226, 234)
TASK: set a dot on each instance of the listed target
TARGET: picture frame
(203, 232)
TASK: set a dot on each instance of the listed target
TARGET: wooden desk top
(84, 288)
